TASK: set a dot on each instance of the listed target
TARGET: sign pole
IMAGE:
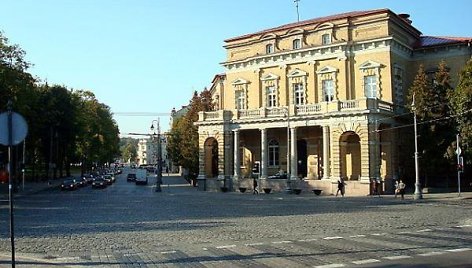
(10, 182)
(458, 152)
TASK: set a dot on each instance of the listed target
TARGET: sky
(142, 58)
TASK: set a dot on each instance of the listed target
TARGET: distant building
(311, 99)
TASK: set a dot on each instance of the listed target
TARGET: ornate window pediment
(327, 69)
(370, 64)
(297, 73)
(269, 76)
(324, 26)
(239, 81)
(268, 36)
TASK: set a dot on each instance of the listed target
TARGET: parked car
(69, 184)
(99, 183)
(131, 177)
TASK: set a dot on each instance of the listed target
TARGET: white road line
(377, 234)
(332, 237)
(168, 252)
(359, 235)
(400, 257)
(227, 246)
(307, 240)
(458, 250)
(282, 242)
(254, 244)
(424, 230)
(462, 226)
(434, 253)
(366, 261)
(334, 265)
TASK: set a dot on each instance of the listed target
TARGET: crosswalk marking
(366, 261)
(434, 253)
(459, 249)
(227, 246)
(334, 265)
(399, 257)
(332, 237)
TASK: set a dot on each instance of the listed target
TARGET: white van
(141, 176)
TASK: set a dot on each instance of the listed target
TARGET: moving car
(69, 184)
(131, 177)
(99, 183)
(108, 179)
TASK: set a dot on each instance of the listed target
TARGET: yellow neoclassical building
(319, 100)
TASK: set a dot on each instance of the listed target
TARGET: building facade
(318, 100)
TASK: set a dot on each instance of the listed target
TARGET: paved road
(126, 225)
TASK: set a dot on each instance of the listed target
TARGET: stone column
(293, 154)
(263, 153)
(326, 153)
(237, 153)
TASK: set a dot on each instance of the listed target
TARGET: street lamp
(418, 194)
(159, 155)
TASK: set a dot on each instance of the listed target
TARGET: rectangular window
(273, 154)
(326, 39)
(269, 48)
(370, 86)
(328, 89)
(271, 96)
(297, 44)
(299, 94)
(240, 100)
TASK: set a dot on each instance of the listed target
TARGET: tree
(461, 106)
(183, 142)
(431, 99)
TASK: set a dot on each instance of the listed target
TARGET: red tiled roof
(312, 21)
(429, 41)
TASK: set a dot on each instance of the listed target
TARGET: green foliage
(435, 128)
(128, 147)
(461, 106)
(183, 142)
(65, 126)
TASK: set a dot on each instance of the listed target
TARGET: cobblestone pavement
(126, 225)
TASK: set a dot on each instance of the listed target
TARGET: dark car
(88, 178)
(131, 177)
(99, 183)
(69, 184)
(81, 182)
(108, 179)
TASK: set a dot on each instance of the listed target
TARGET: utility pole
(296, 5)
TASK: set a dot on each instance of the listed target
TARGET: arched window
(269, 48)
(273, 153)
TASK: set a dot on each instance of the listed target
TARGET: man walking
(254, 183)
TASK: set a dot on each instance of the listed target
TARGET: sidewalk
(29, 188)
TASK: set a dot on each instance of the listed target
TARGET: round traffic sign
(19, 129)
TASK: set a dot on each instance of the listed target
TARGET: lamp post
(418, 194)
(159, 155)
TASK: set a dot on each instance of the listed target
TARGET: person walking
(397, 189)
(341, 185)
(401, 187)
(254, 183)
(376, 187)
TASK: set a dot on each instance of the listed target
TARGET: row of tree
(443, 112)
(65, 126)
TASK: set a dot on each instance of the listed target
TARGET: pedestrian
(341, 185)
(254, 183)
(397, 189)
(376, 187)
(401, 188)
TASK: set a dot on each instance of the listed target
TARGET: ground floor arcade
(314, 156)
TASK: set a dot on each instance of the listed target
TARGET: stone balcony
(340, 106)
